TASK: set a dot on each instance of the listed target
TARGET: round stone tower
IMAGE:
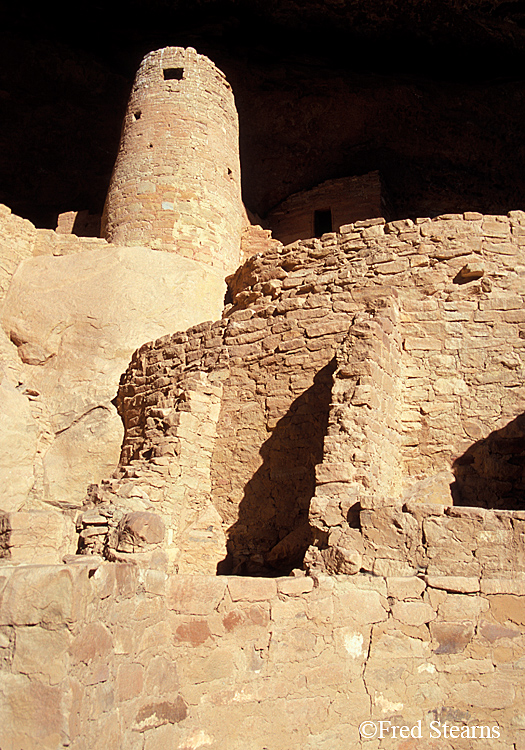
(176, 181)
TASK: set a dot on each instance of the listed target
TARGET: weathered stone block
(458, 584)
(508, 607)
(487, 693)
(153, 715)
(340, 560)
(94, 642)
(161, 676)
(130, 681)
(251, 589)
(140, 529)
(195, 632)
(413, 613)
(31, 714)
(44, 594)
(295, 586)
(459, 607)
(493, 632)
(405, 587)
(361, 606)
(503, 586)
(41, 537)
(42, 654)
(195, 595)
(451, 637)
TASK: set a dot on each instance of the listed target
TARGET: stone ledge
(458, 584)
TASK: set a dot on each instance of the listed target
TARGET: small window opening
(173, 74)
(229, 172)
(322, 222)
(137, 115)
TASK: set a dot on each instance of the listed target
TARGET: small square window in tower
(173, 74)
(322, 222)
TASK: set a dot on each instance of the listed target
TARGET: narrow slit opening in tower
(173, 74)
(137, 115)
(322, 222)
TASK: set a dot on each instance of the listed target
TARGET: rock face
(18, 447)
(74, 314)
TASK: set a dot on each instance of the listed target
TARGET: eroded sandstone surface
(73, 311)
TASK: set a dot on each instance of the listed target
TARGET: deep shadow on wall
(273, 514)
(490, 474)
(272, 532)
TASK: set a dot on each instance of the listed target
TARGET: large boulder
(75, 320)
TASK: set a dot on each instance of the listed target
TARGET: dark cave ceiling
(430, 93)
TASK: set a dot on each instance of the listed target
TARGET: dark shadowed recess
(491, 473)
(431, 94)
(272, 532)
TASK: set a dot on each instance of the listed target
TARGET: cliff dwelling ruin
(262, 378)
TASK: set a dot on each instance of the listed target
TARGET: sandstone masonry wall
(107, 656)
(19, 236)
(176, 181)
(402, 539)
(19, 239)
(442, 302)
(348, 199)
(362, 449)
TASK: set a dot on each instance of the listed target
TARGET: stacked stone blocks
(345, 200)
(109, 656)
(176, 181)
(422, 320)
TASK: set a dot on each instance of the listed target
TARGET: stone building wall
(362, 463)
(342, 201)
(19, 234)
(402, 539)
(108, 656)
(176, 181)
(81, 223)
(440, 304)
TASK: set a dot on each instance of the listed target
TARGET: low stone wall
(19, 239)
(441, 540)
(41, 537)
(112, 657)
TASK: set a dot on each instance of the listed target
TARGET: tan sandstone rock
(18, 446)
(85, 314)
